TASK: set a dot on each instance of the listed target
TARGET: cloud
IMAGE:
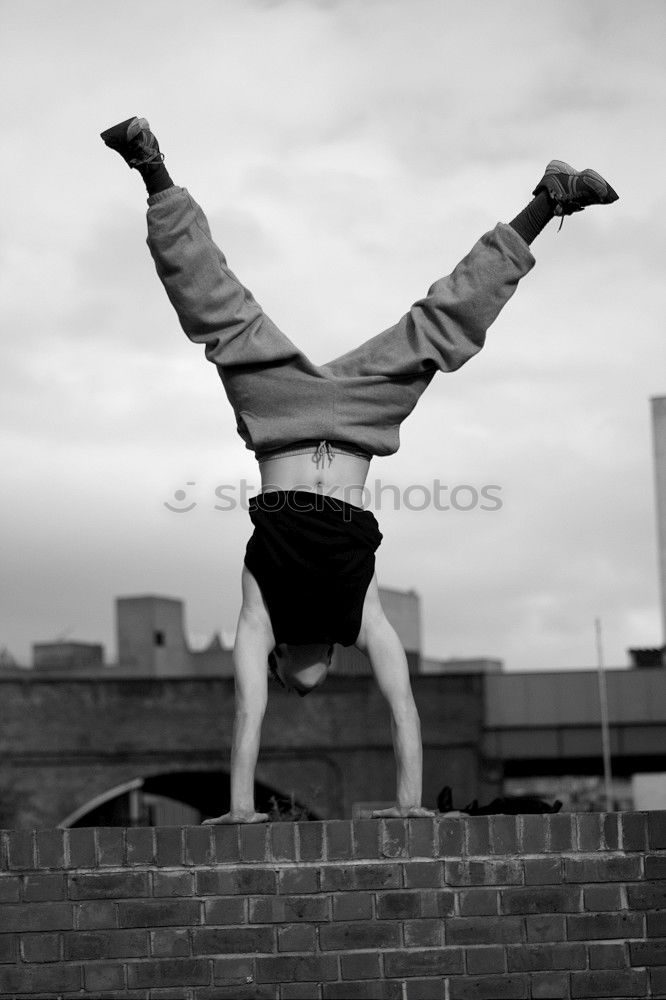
(347, 155)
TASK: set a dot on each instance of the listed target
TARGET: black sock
(155, 177)
(534, 217)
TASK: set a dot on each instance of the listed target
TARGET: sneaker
(134, 141)
(573, 190)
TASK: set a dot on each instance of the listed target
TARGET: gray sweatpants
(278, 395)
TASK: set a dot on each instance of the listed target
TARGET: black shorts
(313, 557)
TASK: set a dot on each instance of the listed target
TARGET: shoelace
(323, 448)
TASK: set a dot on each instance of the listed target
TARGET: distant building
(67, 655)
(461, 665)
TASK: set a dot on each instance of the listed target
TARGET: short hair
(274, 673)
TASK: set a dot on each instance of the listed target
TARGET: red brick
(655, 866)
(97, 914)
(20, 849)
(610, 831)
(104, 976)
(490, 988)
(504, 835)
(423, 933)
(362, 965)
(594, 926)
(110, 846)
(171, 884)
(338, 839)
(478, 902)
(105, 944)
(168, 846)
(657, 830)
(170, 942)
(602, 869)
(232, 940)
(421, 837)
(225, 910)
(560, 828)
(423, 874)
(36, 917)
(33, 979)
(541, 900)
(231, 971)
(8, 948)
(658, 982)
(9, 888)
(158, 913)
(449, 837)
(352, 906)
(80, 847)
(602, 898)
(254, 842)
(482, 960)
(398, 905)
(478, 836)
(422, 989)
(199, 848)
(360, 989)
(647, 952)
(394, 838)
(297, 937)
(437, 903)
(633, 827)
(434, 962)
(543, 871)
(365, 837)
(546, 957)
(546, 927)
(589, 831)
(226, 843)
(342, 877)
(483, 873)
(549, 985)
(248, 881)
(40, 947)
(297, 881)
(533, 839)
(656, 924)
(140, 846)
(267, 991)
(299, 991)
(111, 885)
(168, 972)
(484, 930)
(650, 896)
(310, 841)
(289, 909)
(50, 848)
(282, 840)
(298, 968)
(608, 956)
(629, 983)
(352, 936)
(42, 887)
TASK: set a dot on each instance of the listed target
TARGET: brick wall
(525, 907)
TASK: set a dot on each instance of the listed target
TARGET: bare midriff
(337, 475)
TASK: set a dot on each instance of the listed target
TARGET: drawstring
(323, 448)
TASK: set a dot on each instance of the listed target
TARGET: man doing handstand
(308, 579)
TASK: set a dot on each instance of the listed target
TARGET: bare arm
(254, 640)
(389, 663)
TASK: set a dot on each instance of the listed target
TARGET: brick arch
(207, 790)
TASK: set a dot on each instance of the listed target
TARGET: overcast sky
(347, 155)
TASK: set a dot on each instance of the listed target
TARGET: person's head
(300, 668)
